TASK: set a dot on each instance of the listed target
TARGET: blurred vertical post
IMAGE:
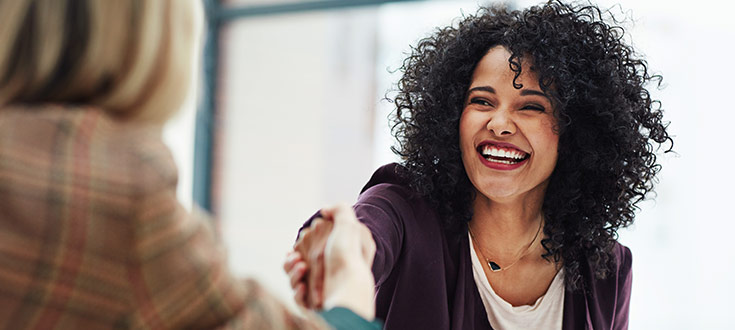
(205, 118)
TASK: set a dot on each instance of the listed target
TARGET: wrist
(351, 287)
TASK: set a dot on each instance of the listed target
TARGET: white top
(546, 313)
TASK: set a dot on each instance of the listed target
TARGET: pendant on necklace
(493, 266)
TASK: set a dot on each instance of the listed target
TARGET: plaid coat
(92, 235)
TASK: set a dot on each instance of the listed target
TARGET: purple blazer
(424, 275)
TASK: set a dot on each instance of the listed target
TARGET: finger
(303, 232)
(317, 224)
(300, 295)
(318, 293)
(331, 212)
(291, 259)
(296, 275)
(306, 233)
(316, 280)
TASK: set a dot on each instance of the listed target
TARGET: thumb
(349, 235)
(340, 213)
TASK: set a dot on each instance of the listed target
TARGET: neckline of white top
(545, 313)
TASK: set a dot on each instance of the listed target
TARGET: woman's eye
(534, 107)
(480, 101)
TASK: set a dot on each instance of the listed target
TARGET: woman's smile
(501, 156)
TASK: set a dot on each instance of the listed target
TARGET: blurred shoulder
(79, 140)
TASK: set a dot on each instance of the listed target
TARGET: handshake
(330, 265)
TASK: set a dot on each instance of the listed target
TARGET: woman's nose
(500, 123)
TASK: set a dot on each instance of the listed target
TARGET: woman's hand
(331, 263)
(295, 268)
(305, 265)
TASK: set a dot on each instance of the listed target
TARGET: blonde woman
(91, 233)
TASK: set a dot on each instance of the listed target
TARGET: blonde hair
(132, 58)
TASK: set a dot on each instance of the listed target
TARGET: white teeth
(502, 153)
(501, 161)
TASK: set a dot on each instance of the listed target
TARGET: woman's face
(506, 135)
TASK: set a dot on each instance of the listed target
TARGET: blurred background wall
(301, 123)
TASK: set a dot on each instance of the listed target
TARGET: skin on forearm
(351, 287)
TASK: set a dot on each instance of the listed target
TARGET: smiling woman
(527, 139)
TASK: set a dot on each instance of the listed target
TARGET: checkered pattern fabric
(93, 237)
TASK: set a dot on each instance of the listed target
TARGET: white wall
(297, 102)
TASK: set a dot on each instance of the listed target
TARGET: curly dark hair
(609, 127)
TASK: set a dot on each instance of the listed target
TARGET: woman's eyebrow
(482, 88)
(524, 92)
(533, 92)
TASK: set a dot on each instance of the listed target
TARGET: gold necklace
(492, 264)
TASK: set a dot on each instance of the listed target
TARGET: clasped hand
(330, 265)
